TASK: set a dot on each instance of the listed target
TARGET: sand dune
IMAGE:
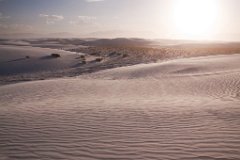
(13, 60)
(206, 65)
(26, 63)
(186, 109)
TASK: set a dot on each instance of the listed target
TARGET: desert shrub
(83, 62)
(98, 59)
(114, 54)
(124, 55)
(55, 55)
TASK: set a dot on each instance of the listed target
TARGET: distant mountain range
(99, 34)
(35, 35)
(112, 37)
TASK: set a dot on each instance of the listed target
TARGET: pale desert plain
(153, 102)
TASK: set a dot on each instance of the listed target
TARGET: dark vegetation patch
(55, 55)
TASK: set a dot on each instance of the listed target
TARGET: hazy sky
(133, 18)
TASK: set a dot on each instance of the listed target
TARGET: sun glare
(195, 18)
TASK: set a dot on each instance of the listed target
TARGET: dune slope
(186, 109)
(18, 60)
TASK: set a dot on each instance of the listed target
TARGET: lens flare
(195, 18)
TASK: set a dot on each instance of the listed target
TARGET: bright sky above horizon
(181, 19)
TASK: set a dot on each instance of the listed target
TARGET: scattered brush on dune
(100, 55)
(147, 54)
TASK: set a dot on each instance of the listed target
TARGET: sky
(155, 19)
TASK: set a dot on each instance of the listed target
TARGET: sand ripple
(171, 114)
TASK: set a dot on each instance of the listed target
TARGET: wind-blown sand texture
(29, 59)
(186, 109)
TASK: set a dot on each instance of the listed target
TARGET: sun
(195, 18)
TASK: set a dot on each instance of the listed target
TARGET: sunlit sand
(120, 80)
(179, 109)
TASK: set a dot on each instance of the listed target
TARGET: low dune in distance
(31, 59)
(184, 109)
(25, 59)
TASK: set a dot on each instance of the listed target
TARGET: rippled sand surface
(187, 109)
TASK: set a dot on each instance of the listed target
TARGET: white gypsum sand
(26, 59)
(176, 110)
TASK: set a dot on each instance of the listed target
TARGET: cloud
(3, 17)
(51, 19)
(84, 20)
(94, 0)
(14, 28)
